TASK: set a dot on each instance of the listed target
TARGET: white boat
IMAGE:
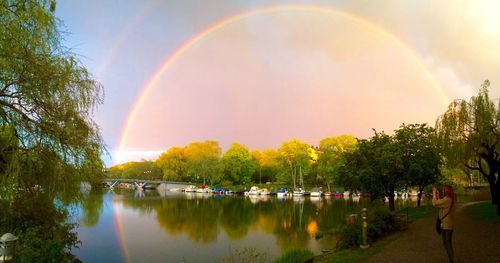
(282, 193)
(254, 190)
(316, 192)
(298, 192)
(347, 194)
(190, 189)
(264, 191)
(202, 190)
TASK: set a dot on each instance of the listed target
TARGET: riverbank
(476, 239)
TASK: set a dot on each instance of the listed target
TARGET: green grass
(483, 211)
(415, 213)
(295, 256)
(354, 255)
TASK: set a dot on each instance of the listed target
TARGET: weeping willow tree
(48, 138)
(469, 136)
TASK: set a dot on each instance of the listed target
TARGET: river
(123, 225)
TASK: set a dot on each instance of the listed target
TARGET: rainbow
(122, 37)
(171, 58)
(120, 230)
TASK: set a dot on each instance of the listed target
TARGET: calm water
(143, 226)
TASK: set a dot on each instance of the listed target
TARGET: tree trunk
(420, 189)
(491, 183)
(301, 178)
(293, 179)
(497, 194)
(260, 175)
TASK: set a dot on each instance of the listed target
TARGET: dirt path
(473, 241)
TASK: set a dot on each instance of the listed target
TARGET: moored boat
(254, 190)
(202, 189)
(190, 189)
(316, 191)
(281, 193)
(264, 191)
(298, 192)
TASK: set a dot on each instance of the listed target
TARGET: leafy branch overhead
(46, 100)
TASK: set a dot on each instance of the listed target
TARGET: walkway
(473, 241)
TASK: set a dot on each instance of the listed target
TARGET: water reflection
(204, 222)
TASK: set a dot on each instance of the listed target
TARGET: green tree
(173, 163)
(375, 167)
(469, 136)
(257, 158)
(237, 164)
(46, 98)
(420, 156)
(330, 156)
(295, 160)
(269, 163)
(266, 163)
(384, 163)
(49, 142)
(203, 160)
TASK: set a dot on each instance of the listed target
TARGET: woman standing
(446, 214)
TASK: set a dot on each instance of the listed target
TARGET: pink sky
(282, 75)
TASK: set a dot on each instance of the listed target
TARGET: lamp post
(7, 245)
(364, 238)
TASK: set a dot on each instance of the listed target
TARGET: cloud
(458, 39)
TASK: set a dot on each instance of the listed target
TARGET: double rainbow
(220, 24)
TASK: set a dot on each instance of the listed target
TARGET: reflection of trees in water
(236, 217)
(292, 223)
(196, 218)
(92, 208)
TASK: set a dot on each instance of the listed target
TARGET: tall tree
(330, 155)
(46, 98)
(469, 135)
(237, 164)
(295, 158)
(173, 164)
(375, 167)
(49, 141)
(266, 162)
(203, 160)
(419, 155)
(257, 158)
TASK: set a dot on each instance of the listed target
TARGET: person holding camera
(446, 216)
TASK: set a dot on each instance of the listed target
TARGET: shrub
(295, 256)
(381, 221)
(349, 234)
(44, 235)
